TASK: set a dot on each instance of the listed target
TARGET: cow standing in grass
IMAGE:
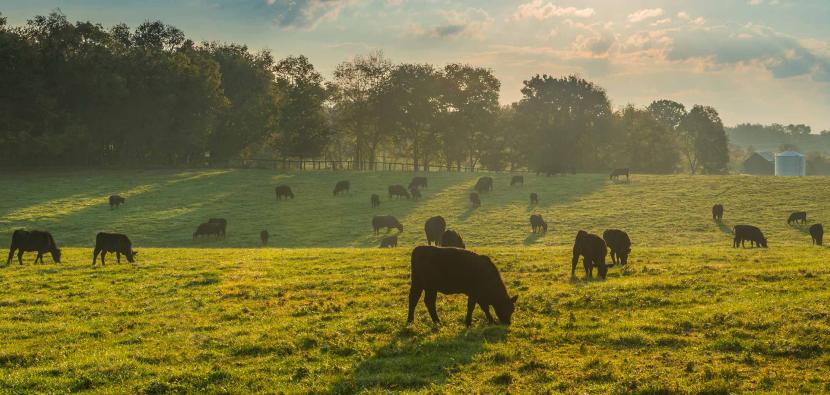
(263, 237)
(386, 221)
(29, 241)
(389, 242)
(797, 217)
(116, 201)
(817, 234)
(375, 200)
(221, 223)
(619, 243)
(208, 229)
(592, 249)
(717, 212)
(283, 192)
(534, 199)
(457, 271)
(418, 182)
(475, 200)
(484, 184)
(617, 173)
(113, 242)
(434, 228)
(416, 193)
(342, 186)
(451, 238)
(537, 224)
(398, 191)
(749, 233)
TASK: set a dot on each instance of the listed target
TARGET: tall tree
(703, 130)
(472, 98)
(643, 143)
(304, 129)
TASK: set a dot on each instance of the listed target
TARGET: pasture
(317, 314)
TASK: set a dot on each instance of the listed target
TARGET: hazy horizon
(758, 61)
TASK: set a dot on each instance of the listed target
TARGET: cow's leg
(589, 267)
(103, 255)
(414, 295)
(471, 304)
(486, 309)
(429, 300)
(20, 256)
(574, 261)
(95, 255)
(118, 257)
(11, 254)
(39, 257)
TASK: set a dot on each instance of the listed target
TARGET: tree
(643, 143)
(704, 140)
(667, 112)
(303, 128)
(472, 96)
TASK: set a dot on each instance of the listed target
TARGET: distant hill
(772, 137)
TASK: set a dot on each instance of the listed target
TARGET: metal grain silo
(790, 163)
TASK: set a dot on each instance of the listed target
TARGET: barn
(790, 163)
(759, 164)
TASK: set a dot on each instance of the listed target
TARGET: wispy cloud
(539, 10)
(305, 14)
(644, 14)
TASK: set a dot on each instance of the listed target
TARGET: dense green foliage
(85, 95)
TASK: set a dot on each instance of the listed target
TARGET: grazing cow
(717, 212)
(416, 193)
(484, 184)
(284, 191)
(398, 191)
(817, 234)
(593, 250)
(375, 200)
(434, 229)
(418, 182)
(451, 238)
(222, 223)
(456, 271)
(517, 180)
(263, 236)
(113, 242)
(386, 221)
(116, 201)
(615, 175)
(36, 240)
(534, 198)
(389, 242)
(797, 217)
(475, 200)
(207, 229)
(537, 224)
(619, 244)
(342, 186)
(749, 233)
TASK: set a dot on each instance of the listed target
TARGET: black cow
(416, 193)
(398, 191)
(284, 191)
(484, 184)
(593, 250)
(36, 240)
(222, 223)
(207, 229)
(451, 238)
(434, 229)
(113, 242)
(116, 201)
(517, 180)
(263, 236)
(534, 198)
(386, 221)
(798, 217)
(615, 175)
(375, 200)
(389, 242)
(342, 186)
(717, 212)
(619, 244)
(457, 271)
(749, 233)
(418, 182)
(537, 224)
(817, 234)
(475, 200)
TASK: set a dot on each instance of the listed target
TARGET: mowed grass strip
(677, 320)
(164, 207)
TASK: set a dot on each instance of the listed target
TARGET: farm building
(760, 164)
(790, 163)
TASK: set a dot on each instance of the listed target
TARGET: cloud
(472, 22)
(305, 14)
(644, 14)
(539, 10)
(751, 45)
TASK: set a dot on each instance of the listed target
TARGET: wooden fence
(334, 165)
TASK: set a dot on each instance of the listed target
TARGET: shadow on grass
(726, 229)
(407, 364)
(531, 238)
(467, 213)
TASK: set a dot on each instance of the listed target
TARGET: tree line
(85, 95)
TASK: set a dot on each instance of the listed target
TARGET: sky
(759, 61)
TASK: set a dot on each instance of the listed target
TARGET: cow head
(56, 255)
(505, 310)
(763, 242)
(131, 256)
(602, 269)
(400, 227)
(623, 255)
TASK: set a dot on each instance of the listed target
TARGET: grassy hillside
(164, 207)
(705, 320)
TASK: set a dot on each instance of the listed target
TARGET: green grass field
(690, 314)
